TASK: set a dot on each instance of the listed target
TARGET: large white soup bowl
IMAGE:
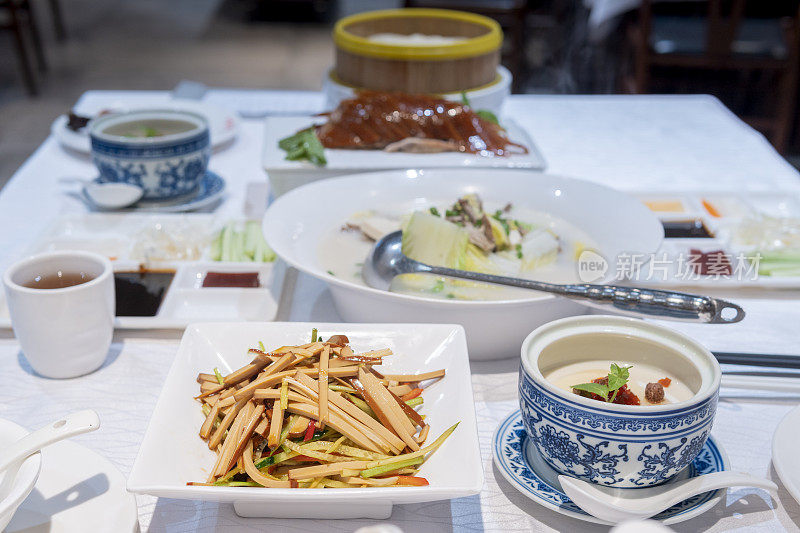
(297, 222)
(610, 444)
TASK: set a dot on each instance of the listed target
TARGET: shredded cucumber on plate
(242, 243)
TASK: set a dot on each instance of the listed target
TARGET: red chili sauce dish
(244, 280)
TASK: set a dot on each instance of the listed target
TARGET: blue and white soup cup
(166, 166)
(623, 446)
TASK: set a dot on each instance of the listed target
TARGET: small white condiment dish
(25, 478)
(623, 446)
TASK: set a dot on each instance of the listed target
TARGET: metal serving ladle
(386, 260)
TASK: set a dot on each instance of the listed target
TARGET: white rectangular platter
(172, 453)
(286, 175)
(145, 241)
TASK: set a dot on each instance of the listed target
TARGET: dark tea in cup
(58, 280)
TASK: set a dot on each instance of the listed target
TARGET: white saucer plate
(223, 124)
(78, 490)
(785, 458)
(523, 467)
(211, 189)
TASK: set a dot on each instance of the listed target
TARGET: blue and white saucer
(520, 463)
(211, 189)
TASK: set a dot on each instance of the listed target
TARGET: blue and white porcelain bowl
(167, 167)
(623, 446)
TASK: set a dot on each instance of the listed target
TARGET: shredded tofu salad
(316, 415)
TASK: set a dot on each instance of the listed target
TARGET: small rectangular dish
(162, 260)
(172, 453)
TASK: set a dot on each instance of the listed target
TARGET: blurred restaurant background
(743, 52)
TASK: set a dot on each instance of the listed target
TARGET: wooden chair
(510, 14)
(17, 17)
(725, 39)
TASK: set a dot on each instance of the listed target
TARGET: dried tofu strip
(363, 428)
(405, 378)
(311, 472)
(216, 437)
(274, 394)
(208, 425)
(337, 423)
(275, 425)
(209, 387)
(338, 400)
(400, 390)
(399, 421)
(201, 377)
(256, 475)
(376, 353)
(263, 426)
(277, 378)
(373, 482)
(299, 426)
(229, 446)
(265, 376)
(323, 389)
(249, 429)
(374, 406)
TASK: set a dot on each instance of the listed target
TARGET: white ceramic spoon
(12, 457)
(618, 505)
(113, 195)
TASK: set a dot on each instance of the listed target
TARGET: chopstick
(760, 383)
(755, 359)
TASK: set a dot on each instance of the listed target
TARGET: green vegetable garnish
(314, 335)
(488, 116)
(435, 211)
(485, 114)
(617, 377)
(519, 251)
(304, 145)
(219, 376)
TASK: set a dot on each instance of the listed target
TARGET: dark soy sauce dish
(686, 229)
(140, 293)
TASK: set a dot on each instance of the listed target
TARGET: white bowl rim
(103, 260)
(21, 487)
(708, 387)
(322, 275)
(200, 125)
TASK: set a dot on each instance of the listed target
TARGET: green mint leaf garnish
(617, 378)
(594, 388)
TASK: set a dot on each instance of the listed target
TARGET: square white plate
(172, 453)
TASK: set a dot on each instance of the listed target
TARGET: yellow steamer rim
(440, 68)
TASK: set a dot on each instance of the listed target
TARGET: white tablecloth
(634, 143)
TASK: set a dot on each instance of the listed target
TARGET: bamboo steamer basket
(417, 68)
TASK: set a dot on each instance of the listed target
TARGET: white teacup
(64, 332)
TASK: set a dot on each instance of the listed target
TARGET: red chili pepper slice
(309, 431)
(411, 395)
(412, 481)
